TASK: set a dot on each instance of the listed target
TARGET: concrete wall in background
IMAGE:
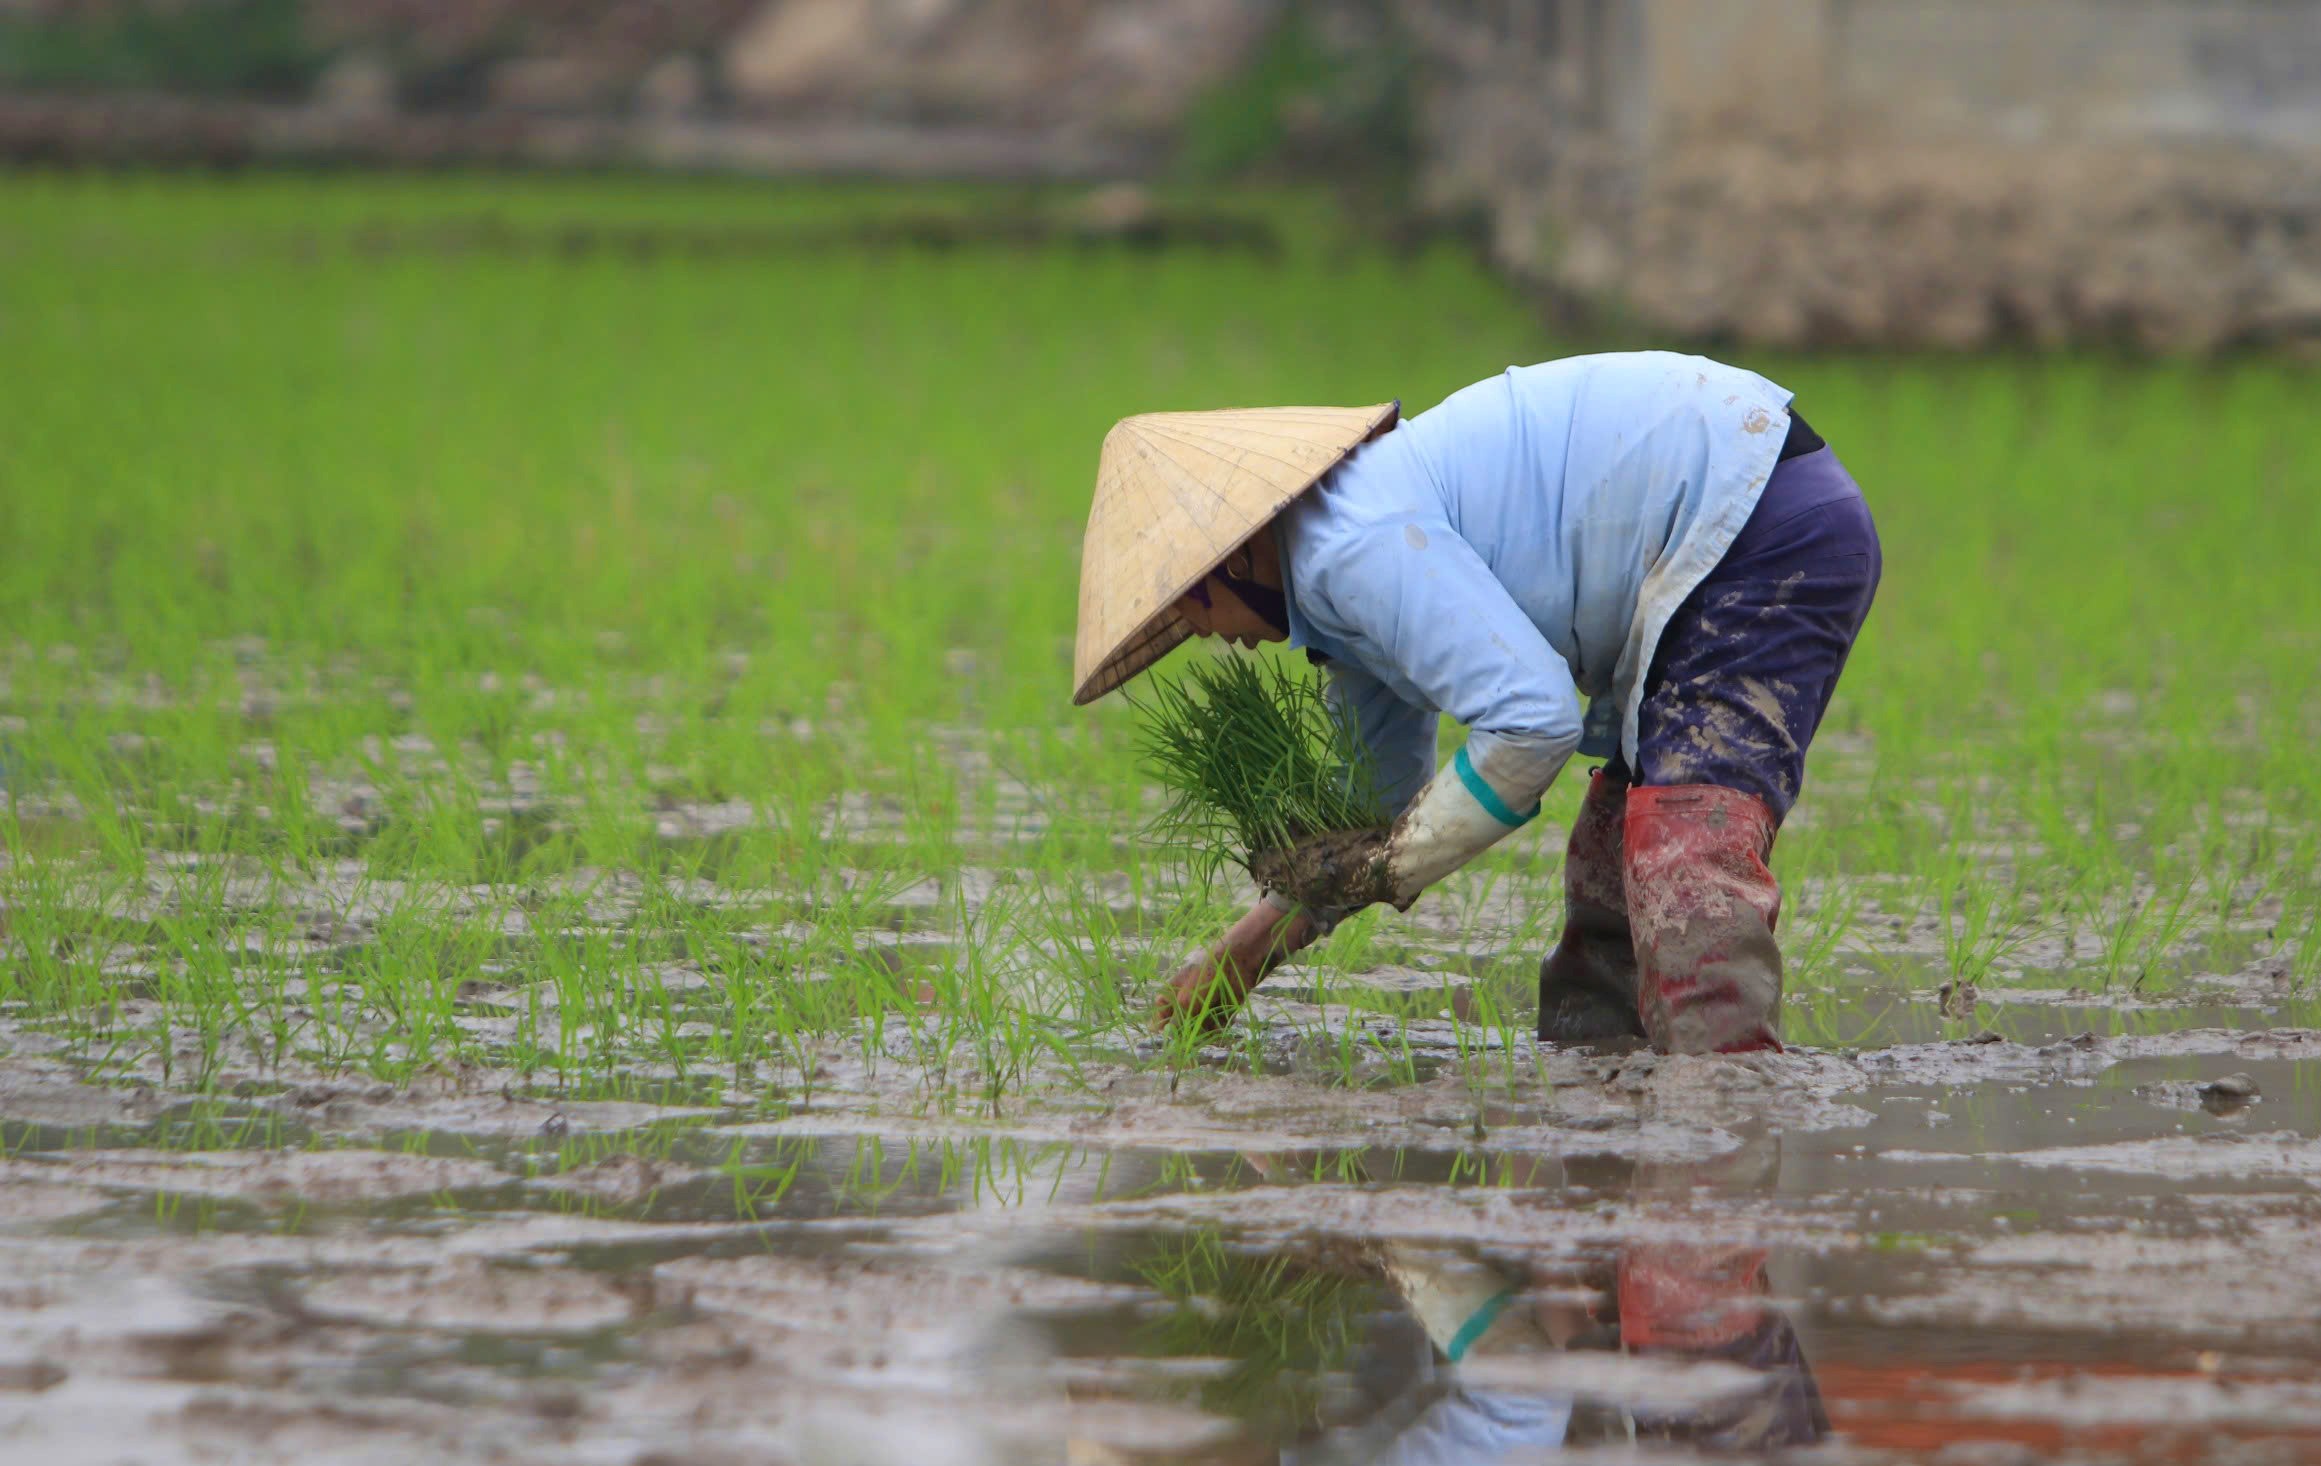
(1945, 172)
(2026, 71)
(2096, 71)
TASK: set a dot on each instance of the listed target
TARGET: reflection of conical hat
(1176, 492)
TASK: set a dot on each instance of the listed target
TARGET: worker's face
(1212, 609)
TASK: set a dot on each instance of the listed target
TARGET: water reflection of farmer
(1659, 534)
(1448, 1386)
(1468, 1373)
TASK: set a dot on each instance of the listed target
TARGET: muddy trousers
(1670, 907)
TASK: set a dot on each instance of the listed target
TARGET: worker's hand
(1342, 871)
(1211, 989)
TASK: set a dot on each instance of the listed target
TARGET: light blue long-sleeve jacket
(1519, 547)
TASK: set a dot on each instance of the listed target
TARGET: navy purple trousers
(1746, 666)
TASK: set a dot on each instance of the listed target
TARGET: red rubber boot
(1701, 910)
(1587, 985)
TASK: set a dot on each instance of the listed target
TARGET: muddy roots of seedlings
(1339, 870)
(1254, 760)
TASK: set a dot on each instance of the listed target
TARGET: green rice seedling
(1980, 924)
(1088, 944)
(2305, 953)
(2142, 934)
(1823, 925)
(1252, 759)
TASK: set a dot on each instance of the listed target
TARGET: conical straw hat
(1176, 492)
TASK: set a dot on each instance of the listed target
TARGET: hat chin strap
(1269, 605)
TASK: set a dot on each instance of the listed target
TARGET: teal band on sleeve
(1478, 1324)
(1488, 797)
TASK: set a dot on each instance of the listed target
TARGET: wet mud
(2039, 1246)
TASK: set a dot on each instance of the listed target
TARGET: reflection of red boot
(1701, 909)
(1587, 985)
(1708, 1301)
(1692, 1298)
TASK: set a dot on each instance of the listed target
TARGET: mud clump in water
(2232, 1092)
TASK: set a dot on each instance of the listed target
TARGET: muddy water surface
(2085, 1246)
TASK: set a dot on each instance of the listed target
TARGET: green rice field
(554, 907)
(616, 635)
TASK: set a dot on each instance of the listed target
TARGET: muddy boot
(1702, 906)
(1587, 985)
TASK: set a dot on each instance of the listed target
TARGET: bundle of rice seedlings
(1253, 759)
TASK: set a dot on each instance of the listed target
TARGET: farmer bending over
(1657, 534)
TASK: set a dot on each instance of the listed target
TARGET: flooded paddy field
(2049, 1246)
(552, 905)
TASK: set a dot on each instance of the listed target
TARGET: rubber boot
(1702, 908)
(1587, 985)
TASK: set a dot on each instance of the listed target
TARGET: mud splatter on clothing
(1746, 667)
(1518, 548)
